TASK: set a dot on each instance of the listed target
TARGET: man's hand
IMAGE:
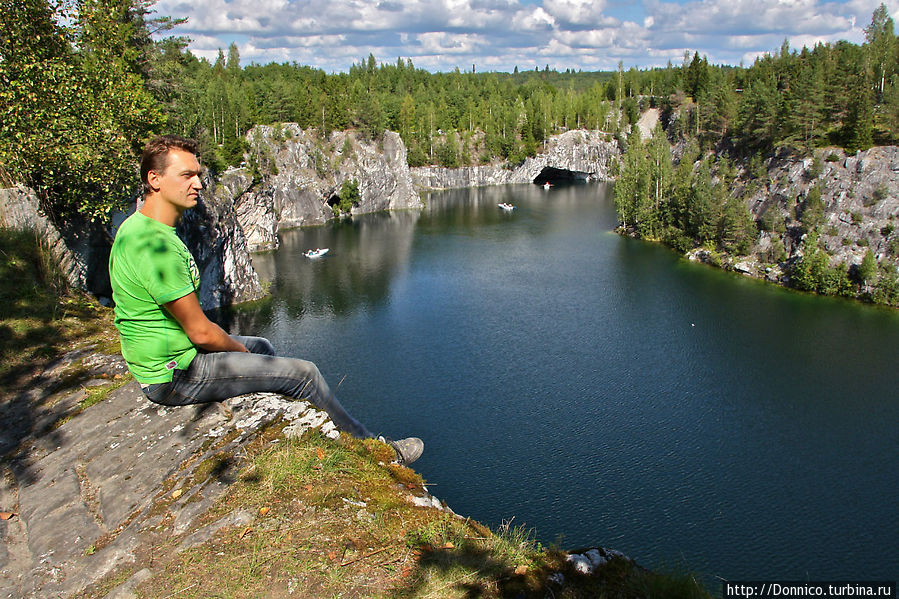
(202, 331)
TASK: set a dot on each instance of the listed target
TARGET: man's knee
(260, 345)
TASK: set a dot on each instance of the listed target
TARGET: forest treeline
(842, 95)
(83, 83)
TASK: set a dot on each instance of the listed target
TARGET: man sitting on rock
(175, 352)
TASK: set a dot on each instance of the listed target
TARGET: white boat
(547, 185)
(316, 253)
(506, 206)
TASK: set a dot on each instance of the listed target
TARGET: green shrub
(886, 291)
(347, 148)
(348, 197)
(815, 169)
(812, 208)
(880, 194)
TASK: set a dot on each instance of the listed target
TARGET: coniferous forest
(83, 83)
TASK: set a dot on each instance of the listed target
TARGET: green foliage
(812, 212)
(233, 150)
(448, 151)
(348, 197)
(83, 84)
(886, 290)
(74, 102)
(682, 206)
(813, 272)
(880, 193)
(867, 271)
(815, 169)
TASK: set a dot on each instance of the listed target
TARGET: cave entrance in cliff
(550, 174)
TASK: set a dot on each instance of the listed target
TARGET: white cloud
(441, 42)
(441, 34)
(740, 17)
(577, 12)
(535, 19)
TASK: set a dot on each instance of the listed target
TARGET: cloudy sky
(498, 35)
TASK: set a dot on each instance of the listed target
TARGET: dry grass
(332, 519)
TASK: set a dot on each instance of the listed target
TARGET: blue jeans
(216, 376)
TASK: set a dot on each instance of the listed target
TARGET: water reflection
(365, 255)
(614, 392)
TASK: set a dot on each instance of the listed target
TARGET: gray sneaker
(407, 450)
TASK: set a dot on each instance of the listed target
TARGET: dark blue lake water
(603, 390)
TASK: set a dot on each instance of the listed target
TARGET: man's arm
(202, 331)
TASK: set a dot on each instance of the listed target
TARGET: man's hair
(156, 155)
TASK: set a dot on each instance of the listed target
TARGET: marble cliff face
(293, 177)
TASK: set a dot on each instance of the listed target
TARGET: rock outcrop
(573, 155)
(79, 247)
(858, 212)
(90, 489)
(293, 179)
(299, 177)
(85, 493)
(216, 239)
(860, 208)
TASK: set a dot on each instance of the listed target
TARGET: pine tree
(758, 115)
(661, 175)
(858, 130)
(881, 47)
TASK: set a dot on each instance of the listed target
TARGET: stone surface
(254, 208)
(648, 121)
(211, 232)
(87, 491)
(301, 175)
(81, 248)
(589, 561)
(575, 154)
(861, 203)
(215, 238)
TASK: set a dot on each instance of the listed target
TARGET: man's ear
(153, 180)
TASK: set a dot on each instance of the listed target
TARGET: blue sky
(498, 35)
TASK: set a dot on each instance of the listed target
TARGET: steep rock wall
(860, 195)
(301, 174)
(583, 154)
(79, 247)
(216, 239)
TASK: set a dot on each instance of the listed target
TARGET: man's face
(180, 183)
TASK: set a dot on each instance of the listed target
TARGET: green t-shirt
(148, 267)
